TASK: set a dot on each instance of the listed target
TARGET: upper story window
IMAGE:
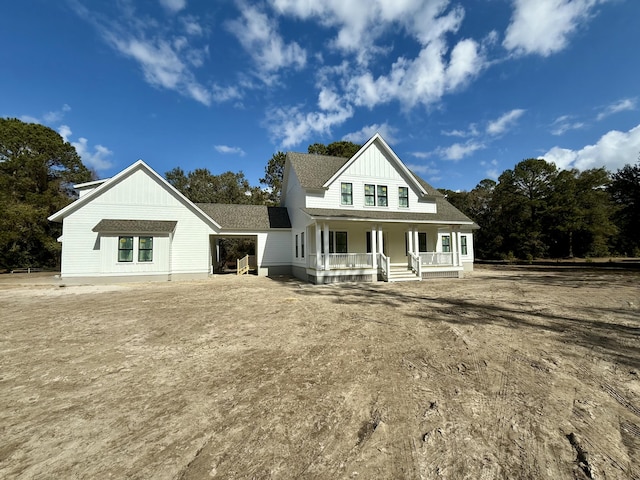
(346, 190)
(403, 196)
(382, 196)
(370, 195)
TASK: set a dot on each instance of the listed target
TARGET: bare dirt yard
(511, 372)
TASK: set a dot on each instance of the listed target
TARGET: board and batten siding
(137, 196)
(375, 168)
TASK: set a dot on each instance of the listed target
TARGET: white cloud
(502, 124)
(167, 60)
(290, 126)
(258, 34)
(65, 132)
(365, 133)
(619, 106)
(96, 158)
(543, 27)
(458, 151)
(613, 150)
(565, 123)
(491, 172)
(423, 80)
(54, 116)
(423, 169)
(230, 150)
(174, 6)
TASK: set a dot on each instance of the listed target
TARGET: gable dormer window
(382, 196)
(370, 195)
(346, 190)
(403, 197)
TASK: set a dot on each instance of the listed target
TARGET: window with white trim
(403, 197)
(446, 243)
(346, 190)
(382, 196)
(463, 244)
(370, 195)
(125, 249)
(128, 243)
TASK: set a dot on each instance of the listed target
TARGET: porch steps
(400, 273)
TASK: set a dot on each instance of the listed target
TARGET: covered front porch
(391, 251)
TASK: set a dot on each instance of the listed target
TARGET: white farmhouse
(365, 218)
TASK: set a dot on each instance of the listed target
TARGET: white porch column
(454, 253)
(410, 240)
(416, 242)
(374, 245)
(380, 240)
(459, 246)
(325, 228)
(318, 248)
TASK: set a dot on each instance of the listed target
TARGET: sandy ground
(509, 373)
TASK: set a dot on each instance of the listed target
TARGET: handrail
(242, 265)
(385, 265)
(416, 263)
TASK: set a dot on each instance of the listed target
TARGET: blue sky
(460, 90)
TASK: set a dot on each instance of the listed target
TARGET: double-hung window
(463, 244)
(403, 197)
(126, 245)
(145, 249)
(331, 244)
(302, 244)
(370, 195)
(446, 243)
(296, 246)
(382, 196)
(125, 249)
(346, 191)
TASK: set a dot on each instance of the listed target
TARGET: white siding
(137, 197)
(109, 264)
(375, 168)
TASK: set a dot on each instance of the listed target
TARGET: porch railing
(436, 258)
(243, 265)
(384, 263)
(342, 260)
(416, 264)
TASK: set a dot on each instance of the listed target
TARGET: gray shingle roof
(246, 217)
(314, 170)
(134, 226)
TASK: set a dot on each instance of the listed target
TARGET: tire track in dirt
(604, 450)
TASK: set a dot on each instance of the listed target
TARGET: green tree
(37, 172)
(579, 214)
(520, 204)
(341, 148)
(625, 193)
(273, 177)
(201, 186)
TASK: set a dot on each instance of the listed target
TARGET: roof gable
(391, 156)
(117, 179)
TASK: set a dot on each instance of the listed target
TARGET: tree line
(533, 211)
(536, 210)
